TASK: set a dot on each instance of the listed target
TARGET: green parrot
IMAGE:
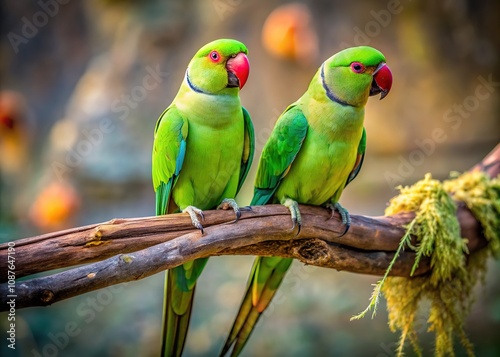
(202, 151)
(315, 149)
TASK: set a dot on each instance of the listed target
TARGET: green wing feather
(248, 149)
(360, 158)
(169, 150)
(268, 272)
(168, 157)
(279, 152)
(175, 325)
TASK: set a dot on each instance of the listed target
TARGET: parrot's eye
(214, 56)
(357, 67)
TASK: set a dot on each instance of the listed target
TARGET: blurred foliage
(86, 81)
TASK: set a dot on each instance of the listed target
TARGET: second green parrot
(315, 149)
(203, 148)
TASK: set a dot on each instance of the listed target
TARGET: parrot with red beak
(202, 151)
(315, 149)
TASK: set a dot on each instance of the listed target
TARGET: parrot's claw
(193, 213)
(230, 203)
(293, 206)
(344, 214)
(246, 209)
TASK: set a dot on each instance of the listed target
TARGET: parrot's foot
(344, 214)
(246, 209)
(193, 213)
(293, 206)
(230, 203)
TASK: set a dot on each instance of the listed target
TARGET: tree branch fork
(123, 250)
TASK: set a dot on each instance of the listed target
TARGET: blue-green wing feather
(169, 143)
(279, 152)
(248, 149)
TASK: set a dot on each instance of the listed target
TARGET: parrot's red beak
(382, 81)
(238, 69)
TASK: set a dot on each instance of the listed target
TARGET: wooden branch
(130, 249)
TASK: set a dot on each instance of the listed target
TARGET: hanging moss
(448, 286)
(482, 196)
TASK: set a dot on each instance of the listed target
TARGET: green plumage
(203, 149)
(316, 148)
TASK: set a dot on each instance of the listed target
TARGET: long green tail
(180, 284)
(265, 279)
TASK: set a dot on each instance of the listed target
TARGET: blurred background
(82, 84)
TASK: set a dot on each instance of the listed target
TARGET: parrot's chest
(211, 167)
(320, 170)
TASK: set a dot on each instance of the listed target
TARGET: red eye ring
(214, 56)
(357, 67)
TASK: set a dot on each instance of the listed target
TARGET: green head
(219, 66)
(352, 75)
